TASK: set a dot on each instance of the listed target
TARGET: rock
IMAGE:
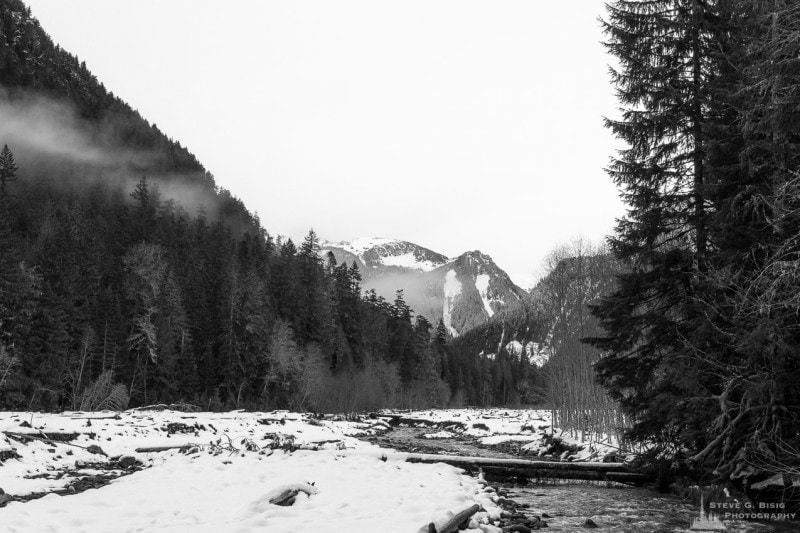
(95, 449)
(589, 523)
(536, 523)
(518, 528)
(545, 515)
(4, 498)
(126, 461)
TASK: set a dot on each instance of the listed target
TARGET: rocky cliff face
(464, 292)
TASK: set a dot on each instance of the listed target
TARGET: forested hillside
(128, 277)
(532, 352)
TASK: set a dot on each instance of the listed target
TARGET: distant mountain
(465, 291)
(377, 255)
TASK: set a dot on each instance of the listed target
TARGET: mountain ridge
(464, 291)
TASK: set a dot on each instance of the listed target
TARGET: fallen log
(453, 521)
(286, 495)
(516, 463)
(183, 407)
(149, 449)
(22, 437)
(521, 468)
(55, 436)
(499, 472)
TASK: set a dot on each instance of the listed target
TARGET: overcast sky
(458, 125)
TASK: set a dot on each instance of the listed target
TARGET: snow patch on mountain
(536, 353)
(514, 347)
(376, 252)
(362, 244)
(408, 260)
(482, 284)
(452, 289)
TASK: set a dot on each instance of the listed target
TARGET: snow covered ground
(233, 463)
(529, 427)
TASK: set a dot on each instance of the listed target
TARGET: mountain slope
(464, 291)
(64, 125)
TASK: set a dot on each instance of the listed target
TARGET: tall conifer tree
(665, 75)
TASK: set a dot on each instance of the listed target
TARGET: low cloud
(50, 140)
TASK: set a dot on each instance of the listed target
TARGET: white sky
(457, 125)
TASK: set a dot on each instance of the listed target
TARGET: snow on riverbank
(531, 428)
(358, 486)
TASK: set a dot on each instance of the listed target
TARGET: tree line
(114, 297)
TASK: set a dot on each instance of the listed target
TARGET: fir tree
(8, 170)
(753, 304)
(664, 81)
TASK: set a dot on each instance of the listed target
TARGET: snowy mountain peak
(464, 292)
(377, 252)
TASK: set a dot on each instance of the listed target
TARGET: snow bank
(358, 488)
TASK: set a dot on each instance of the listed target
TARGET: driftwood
(618, 472)
(22, 437)
(149, 449)
(516, 463)
(286, 496)
(183, 407)
(454, 522)
(633, 478)
(50, 435)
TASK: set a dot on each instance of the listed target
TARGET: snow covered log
(617, 472)
(516, 463)
(451, 521)
(286, 494)
(150, 449)
(25, 437)
(41, 435)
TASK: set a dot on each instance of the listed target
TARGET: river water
(566, 505)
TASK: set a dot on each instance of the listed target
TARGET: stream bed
(566, 505)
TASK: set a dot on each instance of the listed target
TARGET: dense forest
(128, 277)
(701, 337)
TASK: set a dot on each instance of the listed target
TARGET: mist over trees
(701, 336)
(127, 277)
(103, 289)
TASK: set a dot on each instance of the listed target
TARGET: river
(567, 505)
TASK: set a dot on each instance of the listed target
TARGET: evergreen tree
(667, 72)
(8, 170)
(753, 304)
